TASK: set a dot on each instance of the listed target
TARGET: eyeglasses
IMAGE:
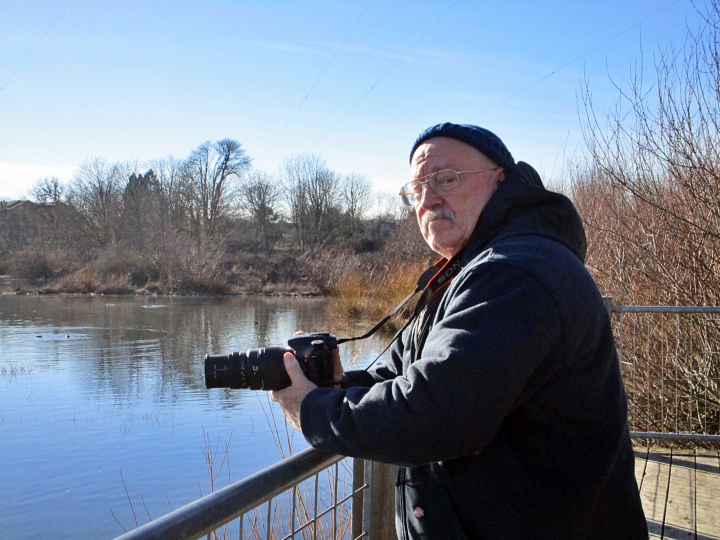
(442, 182)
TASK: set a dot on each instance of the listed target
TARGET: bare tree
(650, 193)
(260, 197)
(174, 212)
(96, 193)
(387, 205)
(357, 195)
(47, 191)
(311, 192)
(210, 177)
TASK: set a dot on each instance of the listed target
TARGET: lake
(104, 416)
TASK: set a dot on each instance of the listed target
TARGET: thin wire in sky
(9, 31)
(385, 74)
(21, 10)
(574, 60)
(316, 81)
(550, 74)
(37, 44)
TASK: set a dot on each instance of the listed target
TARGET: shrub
(33, 264)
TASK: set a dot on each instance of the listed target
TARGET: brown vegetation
(649, 194)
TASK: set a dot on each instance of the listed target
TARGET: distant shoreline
(48, 290)
(18, 286)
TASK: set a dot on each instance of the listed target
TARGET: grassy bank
(363, 287)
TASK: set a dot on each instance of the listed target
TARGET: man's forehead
(444, 153)
(424, 168)
(435, 160)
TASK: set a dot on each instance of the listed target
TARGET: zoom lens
(257, 369)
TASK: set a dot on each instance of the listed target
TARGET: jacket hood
(522, 206)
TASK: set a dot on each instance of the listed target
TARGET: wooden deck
(680, 491)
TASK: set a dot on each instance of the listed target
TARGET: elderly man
(502, 401)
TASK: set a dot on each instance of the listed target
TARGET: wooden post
(379, 501)
(357, 502)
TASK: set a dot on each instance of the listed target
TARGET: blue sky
(137, 80)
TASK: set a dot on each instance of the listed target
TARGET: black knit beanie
(484, 140)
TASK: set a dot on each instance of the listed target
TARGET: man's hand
(291, 397)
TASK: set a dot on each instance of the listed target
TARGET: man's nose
(430, 199)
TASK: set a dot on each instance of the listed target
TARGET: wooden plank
(680, 509)
(708, 494)
(653, 493)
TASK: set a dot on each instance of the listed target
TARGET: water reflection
(90, 386)
(127, 346)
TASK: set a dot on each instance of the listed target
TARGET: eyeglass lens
(442, 183)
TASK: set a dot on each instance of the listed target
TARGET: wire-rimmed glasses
(442, 182)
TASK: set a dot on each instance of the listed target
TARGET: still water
(101, 394)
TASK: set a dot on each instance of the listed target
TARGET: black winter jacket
(509, 419)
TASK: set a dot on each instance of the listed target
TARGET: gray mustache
(440, 213)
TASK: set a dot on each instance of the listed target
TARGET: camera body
(263, 368)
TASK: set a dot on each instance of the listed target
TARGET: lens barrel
(256, 369)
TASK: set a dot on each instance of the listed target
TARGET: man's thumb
(292, 367)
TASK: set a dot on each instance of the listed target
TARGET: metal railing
(670, 359)
(292, 508)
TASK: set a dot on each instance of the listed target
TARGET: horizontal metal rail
(203, 516)
(665, 309)
(654, 435)
(669, 356)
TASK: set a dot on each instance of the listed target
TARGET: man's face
(448, 222)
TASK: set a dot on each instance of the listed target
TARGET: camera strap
(432, 280)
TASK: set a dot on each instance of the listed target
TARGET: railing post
(608, 305)
(379, 501)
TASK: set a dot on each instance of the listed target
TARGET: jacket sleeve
(497, 337)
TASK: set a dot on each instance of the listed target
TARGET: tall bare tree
(169, 174)
(356, 201)
(312, 196)
(260, 197)
(96, 193)
(357, 195)
(210, 177)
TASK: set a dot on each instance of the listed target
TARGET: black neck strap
(433, 279)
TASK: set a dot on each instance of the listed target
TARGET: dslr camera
(263, 368)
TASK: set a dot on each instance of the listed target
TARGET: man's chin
(443, 244)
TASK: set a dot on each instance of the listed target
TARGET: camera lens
(258, 369)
